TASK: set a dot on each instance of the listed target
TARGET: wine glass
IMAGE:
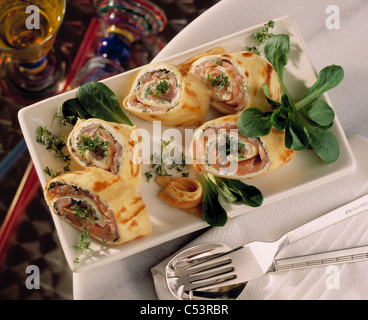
(123, 23)
(31, 68)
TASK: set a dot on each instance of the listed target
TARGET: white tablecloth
(131, 277)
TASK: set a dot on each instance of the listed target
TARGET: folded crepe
(104, 204)
(218, 148)
(182, 192)
(106, 145)
(235, 80)
(162, 92)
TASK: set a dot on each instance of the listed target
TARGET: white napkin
(268, 223)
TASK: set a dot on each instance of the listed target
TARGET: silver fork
(250, 261)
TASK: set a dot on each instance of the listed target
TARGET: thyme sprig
(55, 144)
(53, 173)
(261, 36)
(82, 245)
(52, 142)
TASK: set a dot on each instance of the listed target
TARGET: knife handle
(346, 211)
(321, 259)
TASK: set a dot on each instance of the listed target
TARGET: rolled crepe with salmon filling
(106, 145)
(218, 148)
(236, 80)
(162, 92)
(104, 204)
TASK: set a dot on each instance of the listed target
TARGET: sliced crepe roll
(162, 92)
(218, 148)
(104, 204)
(105, 145)
(236, 80)
(186, 65)
(258, 72)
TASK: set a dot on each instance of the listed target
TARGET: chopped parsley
(93, 144)
(219, 81)
(82, 211)
(159, 90)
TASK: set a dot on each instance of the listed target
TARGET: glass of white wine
(28, 29)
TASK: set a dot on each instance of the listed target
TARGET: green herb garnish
(305, 121)
(149, 175)
(55, 144)
(148, 92)
(219, 81)
(93, 144)
(260, 37)
(82, 245)
(53, 173)
(82, 211)
(161, 88)
(52, 142)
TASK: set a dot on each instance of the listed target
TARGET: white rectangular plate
(305, 171)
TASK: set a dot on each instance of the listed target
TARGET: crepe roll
(162, 92)
(186, 65)
(104, 204)
(106, 145)
(236, 80)
(219, 148)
